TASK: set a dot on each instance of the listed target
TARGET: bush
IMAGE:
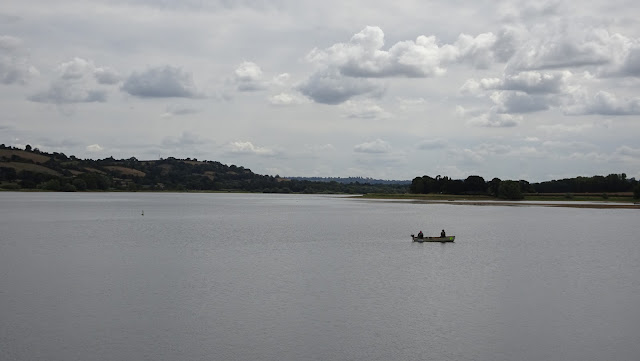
(510, 190)
(51, 185)
(636, 192)
(80, 184)
(68, 187)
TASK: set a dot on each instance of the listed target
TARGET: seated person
(443, 234)
(420, 235)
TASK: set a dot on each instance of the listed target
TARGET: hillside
(32, 169)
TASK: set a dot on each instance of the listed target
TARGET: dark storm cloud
(161, 82)
(330, 87)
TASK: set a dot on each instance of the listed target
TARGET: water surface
(85, 276)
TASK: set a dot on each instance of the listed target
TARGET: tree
(494, 186)
(510, 190)
(7, 173)
(417, 185)
(80, 184)
(475, 184)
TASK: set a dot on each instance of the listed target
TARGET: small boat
(433, 239)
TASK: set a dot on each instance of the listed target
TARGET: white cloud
(281, 79)
(248, 77)
(285, 99)
(377, 146)
(363, 56)
(365, 109)
(488, 118)
(531, 82)
(248, 148)
(492, 119)
(76, 68)
(161, 82)
(94, 148)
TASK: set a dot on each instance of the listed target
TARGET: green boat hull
(433, 239)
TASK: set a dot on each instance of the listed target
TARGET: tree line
(68, 173)
(33, 169)
(510, 189)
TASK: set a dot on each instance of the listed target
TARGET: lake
(86, 276)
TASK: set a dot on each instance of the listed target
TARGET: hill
(349, 180)
(33, 169)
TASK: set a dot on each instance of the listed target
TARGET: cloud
(161, 82)
(173, 110)
(564, 44)
(531, 82)
(519, 102)
(467, 156)
(107, 76)
(603, 103)
(628, 152)
(409, 104)
(14, 63)
(377, 146)
(363, 56)
(492, 119)
(478, 51)
(76, 82)
(625, 61)
(185, 140)
(365, 109)
(66, 92)
(286, 99)
(245, 147)
(319, 148)
(248, 77)
(94, 148)
(330, 87)
(565, 128)
(76, 68)
(432, 144)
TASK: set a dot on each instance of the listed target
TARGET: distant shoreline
(506, 203)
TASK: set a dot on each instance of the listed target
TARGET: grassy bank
(538, 197)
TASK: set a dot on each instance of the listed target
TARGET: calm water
(292, 277)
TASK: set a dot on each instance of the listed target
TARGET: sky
(534, 90)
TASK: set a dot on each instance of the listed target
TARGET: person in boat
(420, 235)
(443, 234)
